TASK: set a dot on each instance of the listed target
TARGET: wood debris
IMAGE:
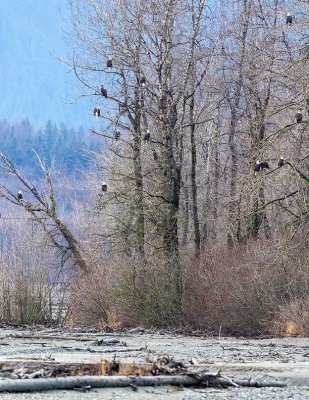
(162, 370)
(73, 382)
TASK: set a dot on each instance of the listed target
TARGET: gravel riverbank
(284, 359)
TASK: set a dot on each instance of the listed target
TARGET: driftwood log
(75, 382)
(53, 337)
(91, 350)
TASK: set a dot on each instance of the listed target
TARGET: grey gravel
(285, 359)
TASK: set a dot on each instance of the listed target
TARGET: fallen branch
(51, 337)
(65, 383)
(102, 350)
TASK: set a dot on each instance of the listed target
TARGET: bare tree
(43, 209)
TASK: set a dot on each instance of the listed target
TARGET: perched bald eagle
(260, 165)
(97, 112)
(147, 136)
(104, 187)
(103, 91)
(299, 116)
(143, 81)
(109, 63)
(281, 162)
(20, 195)
(289, 19)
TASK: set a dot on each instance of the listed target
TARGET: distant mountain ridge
(33, 83)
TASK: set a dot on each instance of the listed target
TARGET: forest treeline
(68, 148)
(198, 207)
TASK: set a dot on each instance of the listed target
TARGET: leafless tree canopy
(216, 87)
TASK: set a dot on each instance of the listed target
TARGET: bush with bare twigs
(292, 319)
(122, 293)
(250, 288)
(241, 289)
(29, 290)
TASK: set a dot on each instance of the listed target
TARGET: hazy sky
(33, 83)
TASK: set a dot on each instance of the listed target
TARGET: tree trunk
(185, 224)
(234, 168)
(73, 245)
(139, 189)
(196, 224)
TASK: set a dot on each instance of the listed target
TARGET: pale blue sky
(33, 83)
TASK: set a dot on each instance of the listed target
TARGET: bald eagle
(281, 162)
(103, 91)
(117, 135)
(147, 136)
(109, 63)
(289, 19)
(143, 81)
(97, 112)
(260, 165)
(299, 117)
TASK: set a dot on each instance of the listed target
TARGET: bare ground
(284, 359)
